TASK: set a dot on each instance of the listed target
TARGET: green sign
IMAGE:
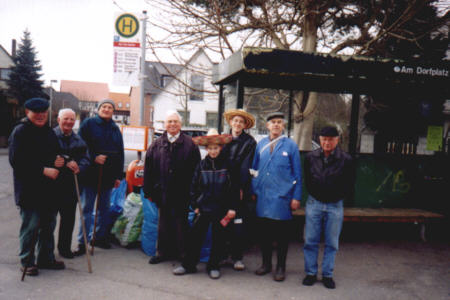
(434, 138)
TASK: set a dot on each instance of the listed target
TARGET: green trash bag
(128, 226)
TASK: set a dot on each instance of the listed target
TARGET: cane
(99, 185)
(33, 245)
(83, 226)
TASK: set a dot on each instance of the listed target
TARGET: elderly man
(169, 166)
(277, 186)
(76, 161)
(33, 150)
(329, 178)
(105, 148)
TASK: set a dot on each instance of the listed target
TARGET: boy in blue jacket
(210, 198)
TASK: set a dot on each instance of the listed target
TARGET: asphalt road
(381, 262)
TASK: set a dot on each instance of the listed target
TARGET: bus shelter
(393, 115)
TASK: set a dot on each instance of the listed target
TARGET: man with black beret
(329, 178)
(105, 148)
(33, 155)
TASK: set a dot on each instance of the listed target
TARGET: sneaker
(309, 280)
(328, 282)
(239, 265)
(53, 265)
(263, 270)
(80, 251)
(214, 274)
(179, 271)
(31, 270)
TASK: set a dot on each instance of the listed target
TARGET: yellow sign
(127, 25)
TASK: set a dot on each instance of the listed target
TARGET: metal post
(240, 94)
(142, 75)
(221, 109)
(51, 101)
(354, 124)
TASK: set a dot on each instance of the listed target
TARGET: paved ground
(381, 262)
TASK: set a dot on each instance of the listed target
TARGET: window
(120, 105)
(127, 105)
(164, 80)
(196, 88)
(4, 74)
(211, 119)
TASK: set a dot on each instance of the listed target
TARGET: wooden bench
(386, 215)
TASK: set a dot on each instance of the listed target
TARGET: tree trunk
(304, 118)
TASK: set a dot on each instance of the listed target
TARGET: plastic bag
(149, 235)
(127, 229)
(118, 196)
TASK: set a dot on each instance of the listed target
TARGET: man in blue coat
(105, 148)
(277, 188)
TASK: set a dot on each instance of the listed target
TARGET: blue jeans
(327, 218)
(88, 196)
(43, 238)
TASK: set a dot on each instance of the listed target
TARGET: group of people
(47, 164)
(236, 174)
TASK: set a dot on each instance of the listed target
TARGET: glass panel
(197, 88)
(211, 119)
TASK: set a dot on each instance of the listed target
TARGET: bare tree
(338, 27)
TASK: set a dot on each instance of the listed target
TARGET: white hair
(62, 111)
(172, 112)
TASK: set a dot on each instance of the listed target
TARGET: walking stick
(33, 246)
(83, 226)
(99, 185)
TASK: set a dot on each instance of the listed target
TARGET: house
(185, 88)
(88, 93)
(7, 105)
(122, 104)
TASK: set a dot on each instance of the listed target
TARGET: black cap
(36, 104)
(274, 115)
(329, 131)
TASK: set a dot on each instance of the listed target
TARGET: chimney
(13, 48)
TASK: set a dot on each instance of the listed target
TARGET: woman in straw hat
(240, 155)
(214, 199)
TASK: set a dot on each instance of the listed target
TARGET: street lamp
(51, 99)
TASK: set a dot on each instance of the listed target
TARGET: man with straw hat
(240, 153)
(214, 199)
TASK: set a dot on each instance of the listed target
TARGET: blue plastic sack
(149, 233)
(206, 247)
(118, 196)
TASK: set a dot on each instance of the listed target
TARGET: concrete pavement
(369, 265)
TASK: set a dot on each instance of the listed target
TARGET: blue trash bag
(149, 233)
(206, 247)
(116, 200)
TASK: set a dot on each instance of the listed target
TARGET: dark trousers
(172, 231)
(197, 236)
(37, 230)
(235, 238)
(66, 211)
(274, 231)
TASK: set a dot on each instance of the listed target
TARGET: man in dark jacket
(33, 155)
(169, 166)
(239, 153)
(329, 178)
(105, 148)
(76, 162)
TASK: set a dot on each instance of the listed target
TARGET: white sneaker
(239, 265)
(214, 274)
(179, 271)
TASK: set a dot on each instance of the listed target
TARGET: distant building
(122, 104)
(185, 88)
(7, 105)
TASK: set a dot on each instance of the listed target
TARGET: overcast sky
(73, 38)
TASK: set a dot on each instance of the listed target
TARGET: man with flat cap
(105, 148)
(329, 178)
(33, 155)
(277, 188)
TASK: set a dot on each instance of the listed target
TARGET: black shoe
(31, 270)
(104, 244)
(156, 259)
(66, 254)
(263, 270)
(279, 274)
(328, 282)
(53, 265)
(80, 251)
(309, 280)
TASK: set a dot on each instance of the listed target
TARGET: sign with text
(127, 49)
(135, 137)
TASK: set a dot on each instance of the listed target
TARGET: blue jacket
(103, 137)
(278, 180)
